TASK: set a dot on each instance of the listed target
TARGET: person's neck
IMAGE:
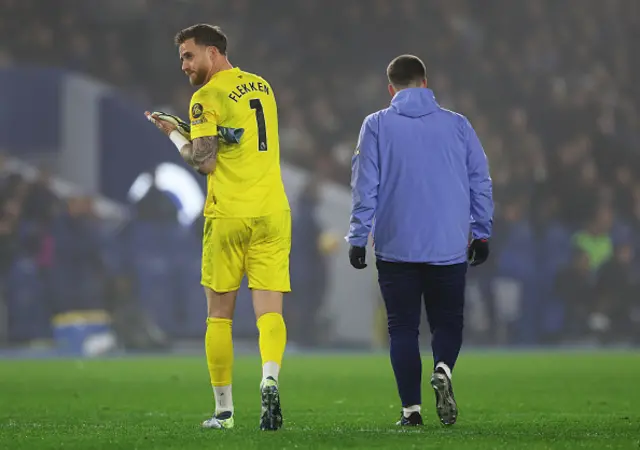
(224, 65)
(410, 86)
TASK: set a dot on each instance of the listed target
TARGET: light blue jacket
(420, 182)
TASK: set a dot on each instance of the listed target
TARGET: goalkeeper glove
(183, 127)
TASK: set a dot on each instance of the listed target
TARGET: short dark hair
(405, 70)
(204, 34)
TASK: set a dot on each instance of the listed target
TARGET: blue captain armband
(230, 135)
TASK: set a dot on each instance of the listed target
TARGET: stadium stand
(560, 126)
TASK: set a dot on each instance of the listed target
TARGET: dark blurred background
(99, 223)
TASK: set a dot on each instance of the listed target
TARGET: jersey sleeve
(204, 114)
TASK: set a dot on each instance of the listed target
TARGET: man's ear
(392, 90)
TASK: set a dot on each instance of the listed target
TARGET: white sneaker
(224, 420)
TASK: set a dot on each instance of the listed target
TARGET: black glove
(478, 251)
(357, 257)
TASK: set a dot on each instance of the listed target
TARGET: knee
(220, 305)
(454, 322)
(403, 327)
(219, 311)
(219, 315)
(266, 302)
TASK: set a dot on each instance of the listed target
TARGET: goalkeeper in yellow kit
(234, 141)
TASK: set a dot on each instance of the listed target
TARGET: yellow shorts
(257, 246)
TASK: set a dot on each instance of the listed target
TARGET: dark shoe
(445, 401)
(414, 420)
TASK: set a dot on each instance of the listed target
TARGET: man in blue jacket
(420, 184)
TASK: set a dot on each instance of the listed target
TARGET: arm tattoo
(201, 151)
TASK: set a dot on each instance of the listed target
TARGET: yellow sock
(273, 340)
(219, 348)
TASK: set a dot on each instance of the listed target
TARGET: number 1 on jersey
(262, 128)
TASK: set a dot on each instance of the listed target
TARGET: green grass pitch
(506, 400)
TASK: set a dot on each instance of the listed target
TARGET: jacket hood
(414, 102)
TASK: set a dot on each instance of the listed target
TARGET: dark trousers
(403, 287)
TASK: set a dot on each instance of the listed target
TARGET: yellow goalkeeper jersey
(247, 181)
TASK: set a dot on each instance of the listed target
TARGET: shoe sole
(271, 419)
(445, 403)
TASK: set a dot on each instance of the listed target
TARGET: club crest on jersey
(196, 110)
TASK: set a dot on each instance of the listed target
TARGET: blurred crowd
(549, 86)
(60, 261)
(49, 253)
